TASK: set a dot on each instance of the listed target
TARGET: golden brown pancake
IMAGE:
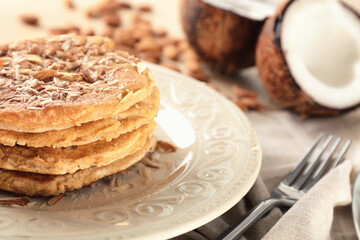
(59, 82)
(104, 129)
(57, 161)
(33, 184)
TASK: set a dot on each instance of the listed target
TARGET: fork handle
(236, 230)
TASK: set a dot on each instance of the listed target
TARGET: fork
(293, 186)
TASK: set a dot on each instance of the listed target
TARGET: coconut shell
(222, 39)
(276, 76)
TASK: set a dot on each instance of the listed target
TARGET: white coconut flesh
(320, 40)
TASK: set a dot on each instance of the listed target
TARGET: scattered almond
(240, 92)
(69, 76)
(199, 75)
(112, 19)
(3, 49)
(123, 187)
(145, 8)
(86, 75)
(147, 44)
(34, 58)
(105, 7)
(160, 32)
(148, 162)
(21, 201)
(69, 4)
(89, 32)
(65, 55)
(44, 74)
(64, 30)
(124, 37)
(151, 56)
(54, 200)
(248, 104)
(1, 154)
(124, 5)
(145, 172)
(171, 51)
(165, 147)
(30, 19)
(108, 32)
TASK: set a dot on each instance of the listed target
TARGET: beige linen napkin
(312, 216)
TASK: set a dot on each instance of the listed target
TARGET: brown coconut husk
(275, 74)
(222, 39)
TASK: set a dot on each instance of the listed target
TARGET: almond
(240, 92)
(44, 74)
(171, 52)
(112, 19)
(86, 75)
(69, 4)
(69, 76)
(148, 162)
(124, 37)
(64, 30)
(145, 8)
(17, 201)
(30, 19)
(54, 200)
(160, 32)
(248, 104)
(165, 147)
(147, 44)
(124, 5)
(65, 55)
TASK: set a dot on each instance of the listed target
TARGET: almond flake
(68, 76)
(54, 200)
(44, 74)
(34, 58)
(29, 19)
(150, 163)
(240, 92)
(145, 172)
(165, 147)
(86, 75)
(21, 201)
(123, 187)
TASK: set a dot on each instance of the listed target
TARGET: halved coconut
(308, 56)
(222, 38)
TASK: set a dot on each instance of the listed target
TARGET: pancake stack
(72, 111)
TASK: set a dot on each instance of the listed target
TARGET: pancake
(57, 161)
(59, 82)
(32, 184)
(106, 129)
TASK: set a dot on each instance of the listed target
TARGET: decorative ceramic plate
(216, 163)
(356, 205)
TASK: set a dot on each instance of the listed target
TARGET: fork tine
(341, 154)
(310, 169)
(296, 171)
(321, 169)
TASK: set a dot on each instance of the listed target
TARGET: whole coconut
(222, 39)
(275, 74)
